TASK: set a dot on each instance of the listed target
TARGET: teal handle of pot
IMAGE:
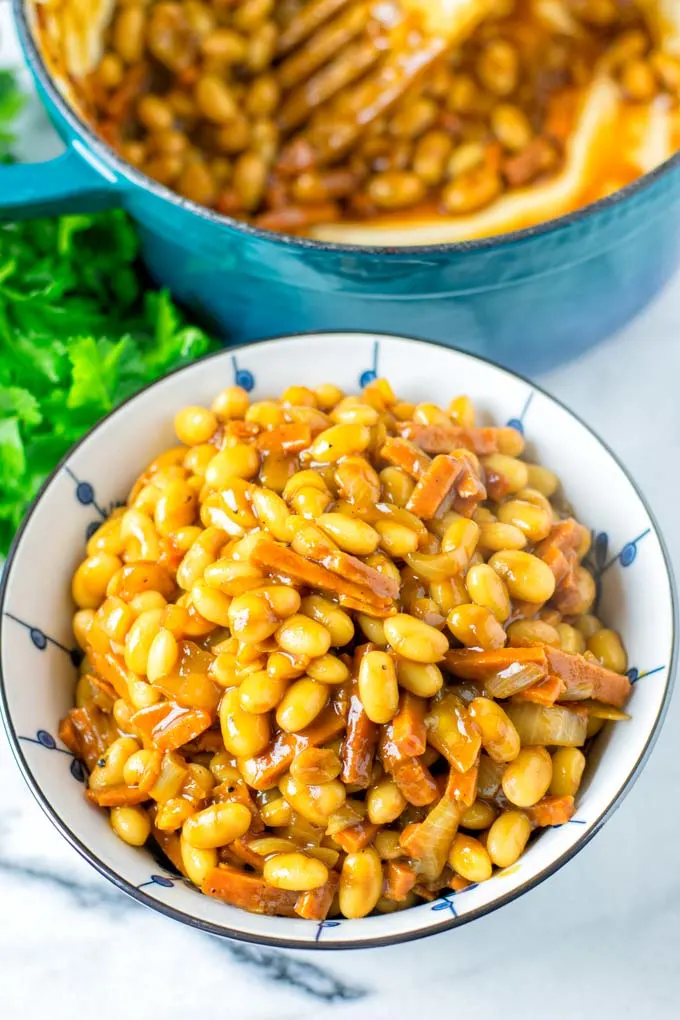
(70, 183)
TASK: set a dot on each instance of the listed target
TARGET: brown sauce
(235, 106)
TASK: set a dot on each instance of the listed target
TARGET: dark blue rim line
(310, 943)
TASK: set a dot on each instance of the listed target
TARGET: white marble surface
(599, 938)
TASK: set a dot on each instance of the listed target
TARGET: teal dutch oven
(528, 299)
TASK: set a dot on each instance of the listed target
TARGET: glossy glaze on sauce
(543, 108)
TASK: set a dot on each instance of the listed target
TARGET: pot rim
(109, 156)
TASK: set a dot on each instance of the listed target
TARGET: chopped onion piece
(553, 725)
(513, 679)
(597, 710)
(429, 842)
(489, 777)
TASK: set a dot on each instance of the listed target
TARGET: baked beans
(280, 115)
(369, 684)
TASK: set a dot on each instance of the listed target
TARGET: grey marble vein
(83, 894)
(274, 965)
(308, 977)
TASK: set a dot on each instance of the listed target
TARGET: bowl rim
(109, 156)
(225, 931)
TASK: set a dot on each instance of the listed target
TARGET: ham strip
(281, 561)
(447, 438)
(581, 677)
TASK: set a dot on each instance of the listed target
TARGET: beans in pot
(267, 112)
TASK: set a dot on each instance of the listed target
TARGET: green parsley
(79, 332)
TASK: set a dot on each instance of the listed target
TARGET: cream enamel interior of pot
(603, 118)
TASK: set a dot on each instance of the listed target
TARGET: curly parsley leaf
(78, 334)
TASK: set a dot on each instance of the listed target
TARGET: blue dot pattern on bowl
(164, 881)
(598, 562)
(168, 882)
(321, 927)
(634, 674)
(518, 423)
(43, 738)
(85, 494)
(78, 770)
(371, 374)
(38, 639)
(446, 902)
(243, 376)
(42, 641)
(46, 739)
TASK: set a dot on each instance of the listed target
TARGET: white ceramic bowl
(36, 663)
